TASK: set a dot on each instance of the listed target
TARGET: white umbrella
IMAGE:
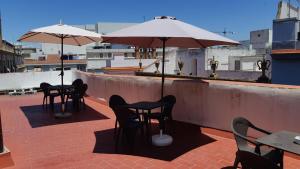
(166, 32)
(61, 34)
(162, 32)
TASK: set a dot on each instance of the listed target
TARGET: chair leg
(52, 103)
(43, 101)
(130, 137)
(46, 99)
(83, 103)
(117, 139)
(116, 128)
(281, 161)
(236, 161)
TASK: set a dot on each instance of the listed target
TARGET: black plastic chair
(166, 114)
(128, 126)
(77, 96)
(45, 89)
(76, 85)
(47, 93)
(240, 128)
(251, 160)
(116, 101)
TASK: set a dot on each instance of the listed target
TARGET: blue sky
(241, 16)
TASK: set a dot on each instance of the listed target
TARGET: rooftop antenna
(226, 32)
(289, 5)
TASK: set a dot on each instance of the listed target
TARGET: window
(237, 65)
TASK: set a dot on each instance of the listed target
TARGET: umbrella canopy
(179, 34)
(53, 34)
(166, 32)
(61, 34)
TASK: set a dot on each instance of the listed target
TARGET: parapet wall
(207, 102)
(10, 81)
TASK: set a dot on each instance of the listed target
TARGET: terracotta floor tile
(38, 140)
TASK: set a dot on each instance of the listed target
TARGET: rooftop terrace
(37, 140)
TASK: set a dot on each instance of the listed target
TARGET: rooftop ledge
(143, 75)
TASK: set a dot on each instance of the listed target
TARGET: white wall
(170, 63)
(10, 81)
(222, 55)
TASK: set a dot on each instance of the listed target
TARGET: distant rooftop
(105, 27)
(52, 60)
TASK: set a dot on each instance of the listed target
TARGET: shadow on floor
(39, 116)
(186, 137)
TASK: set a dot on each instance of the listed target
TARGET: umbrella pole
(62, 114)
(163, 68)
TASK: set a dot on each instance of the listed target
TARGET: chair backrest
(239, 127)
(77, 82)
(44, 86)
(116, 100)
(252, 160)
(79, 92)
(122, 113)
(169, 102)
(83, 90)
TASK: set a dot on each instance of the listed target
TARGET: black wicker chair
(77, 84)
(128, 125)
(240, 128)
(47, 93)
(115, 101)
(77, 96)
(251, 160)
(166, 114)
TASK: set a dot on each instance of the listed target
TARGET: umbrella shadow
(39, 116)
(186, 138)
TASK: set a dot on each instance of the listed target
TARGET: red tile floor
(37, 140)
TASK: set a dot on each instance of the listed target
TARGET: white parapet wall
(207, 102)
(10, 81)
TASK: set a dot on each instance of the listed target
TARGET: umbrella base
(162, 140)
(62, 115)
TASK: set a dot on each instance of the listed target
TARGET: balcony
(203, 112)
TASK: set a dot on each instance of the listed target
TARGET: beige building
(10, 59)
